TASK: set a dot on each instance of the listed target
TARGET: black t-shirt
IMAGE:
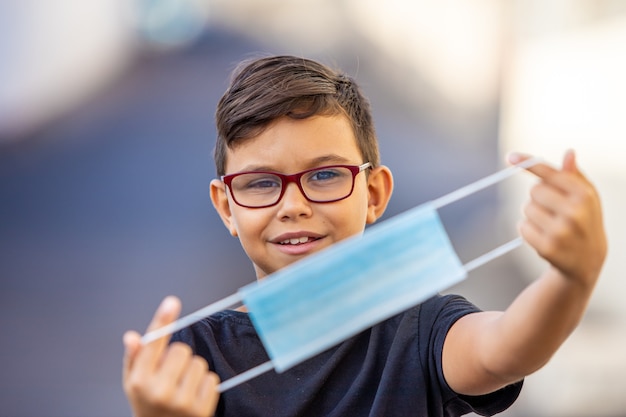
(392, 369)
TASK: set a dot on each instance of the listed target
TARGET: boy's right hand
(162, 379)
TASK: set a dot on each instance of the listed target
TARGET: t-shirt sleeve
(444, 311)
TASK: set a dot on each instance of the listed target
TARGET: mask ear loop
(237, 298)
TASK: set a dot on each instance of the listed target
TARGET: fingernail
(514, 157)
(128, 338)
(167, 304)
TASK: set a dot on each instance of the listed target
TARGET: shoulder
(430, 320)
(444, 310)
(222, 326)
(434, 317)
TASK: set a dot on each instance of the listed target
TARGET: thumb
(569, 161)
(147, 356)
(132, 344)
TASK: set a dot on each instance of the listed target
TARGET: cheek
(361, 199)
(247, 233)
(249, 224)
(351, 216)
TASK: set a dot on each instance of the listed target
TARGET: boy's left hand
(564, 220)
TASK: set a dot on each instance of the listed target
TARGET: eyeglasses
(259, 189)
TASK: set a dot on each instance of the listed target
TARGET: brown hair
(264, 89)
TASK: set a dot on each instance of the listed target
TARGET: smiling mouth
(297, 241)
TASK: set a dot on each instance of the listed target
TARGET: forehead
(290, 145)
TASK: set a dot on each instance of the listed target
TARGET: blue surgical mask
(311, 305)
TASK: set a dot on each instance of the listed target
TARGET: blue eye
(324, 175)
(263, 183)
(256, 183)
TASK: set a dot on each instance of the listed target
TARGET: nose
(293, 204)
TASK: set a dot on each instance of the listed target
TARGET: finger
(570, 166)
(167, 312)
(208, 395)
(540, 217)
(567, 179)
(150, 354)
(132, 344)
(540, 169)
(174, 363)
(548, 197)
(189, 390)
(532, 235)
(569, 162)
(517, 157)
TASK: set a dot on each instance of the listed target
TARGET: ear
(219, 197)
(380, 187)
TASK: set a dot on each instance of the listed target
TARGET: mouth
(299, 243)
(297, 240)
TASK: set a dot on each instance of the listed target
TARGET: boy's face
(289, 146)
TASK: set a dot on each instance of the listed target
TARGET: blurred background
(106, 134)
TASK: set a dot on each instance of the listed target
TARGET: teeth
(295, 241)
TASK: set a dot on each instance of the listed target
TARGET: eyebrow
(320, 160)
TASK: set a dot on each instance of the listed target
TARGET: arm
(167, 380)
(563, 223)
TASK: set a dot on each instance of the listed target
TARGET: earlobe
(219, 198)
(380, 188)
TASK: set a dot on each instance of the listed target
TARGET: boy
(291, 116)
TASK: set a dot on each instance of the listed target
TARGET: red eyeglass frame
(295, 178)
